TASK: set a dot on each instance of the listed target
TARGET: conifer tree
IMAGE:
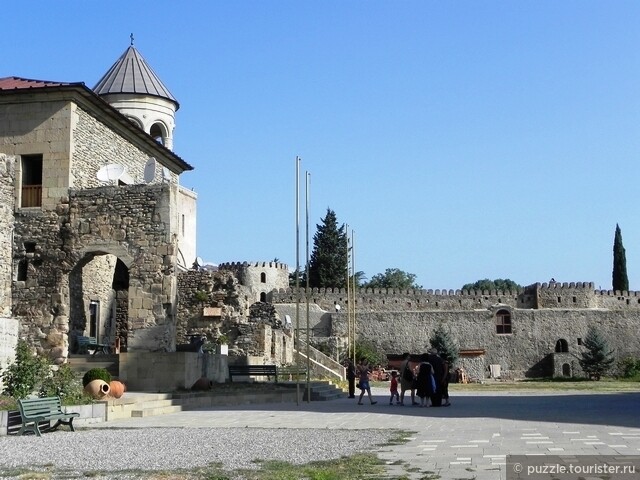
(328, 263)
(596, 359)
(620, 279)
(444, 343)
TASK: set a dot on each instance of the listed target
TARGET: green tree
(620, 279)
(27, 372)
(393, 278)
(596, 359)
(445, 344)
(328, 263)
(503, 285)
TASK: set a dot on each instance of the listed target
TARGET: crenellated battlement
(242, 265)
(552, 295)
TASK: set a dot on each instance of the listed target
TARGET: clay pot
(202, 383)
(97, 389)
(116, 389)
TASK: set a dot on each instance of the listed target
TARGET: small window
(263, 277)
(23, 267)
(30, 247)
(263, 297)
(503, 322)
(31, 181)
(579, 341)
(559, 299)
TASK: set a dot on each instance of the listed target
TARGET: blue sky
(460, 140)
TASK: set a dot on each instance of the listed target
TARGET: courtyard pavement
(468, 440)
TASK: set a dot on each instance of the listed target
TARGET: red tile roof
(17, 83)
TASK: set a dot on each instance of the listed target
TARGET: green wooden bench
(36, 410)
(253, 370)
(292, 372)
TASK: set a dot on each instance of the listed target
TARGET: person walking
(363, 381)
(393, 387)
(407, 380)
(351, 377)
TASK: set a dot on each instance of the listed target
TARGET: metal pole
(353, 290)
(296, 338)
(348, 316)
(308, 289)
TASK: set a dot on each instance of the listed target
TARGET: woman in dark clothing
(425, 383)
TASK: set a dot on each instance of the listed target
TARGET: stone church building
(94, 222)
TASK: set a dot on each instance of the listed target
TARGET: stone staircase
(136, 405)
(322, 391)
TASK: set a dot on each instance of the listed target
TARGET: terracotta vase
(116, 388)
(97, 389)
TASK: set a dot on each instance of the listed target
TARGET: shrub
(27, 371)
(96, 374)
(629, 367)
(65, 383)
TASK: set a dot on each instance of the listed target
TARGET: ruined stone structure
(216, 303)
(94, 224)
(535, 332)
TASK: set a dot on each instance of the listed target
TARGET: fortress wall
(526, 352)
(572, 295)
(376, 300)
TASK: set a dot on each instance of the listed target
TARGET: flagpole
(353, 290)
(308, 175)
(346, 226)
(296, 338)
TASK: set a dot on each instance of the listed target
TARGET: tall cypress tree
(328, 263)
(620, 279)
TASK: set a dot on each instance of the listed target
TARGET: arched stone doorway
(562, 346)
(98, 300)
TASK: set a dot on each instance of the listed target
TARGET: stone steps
(133, 404)
(324, 391)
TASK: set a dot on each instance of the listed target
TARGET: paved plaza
(469, 440)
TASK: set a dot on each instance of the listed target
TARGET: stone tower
(132, 87)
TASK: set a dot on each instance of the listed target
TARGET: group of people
(428, 380)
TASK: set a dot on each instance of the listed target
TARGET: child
(394, 388)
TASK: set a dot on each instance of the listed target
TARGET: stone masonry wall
(40, 128)
(526, 352)
(557, 295)
(7, 175)
(129, 222)
(96, 145)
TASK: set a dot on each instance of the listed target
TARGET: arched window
(503, 322)
(159, 133)
(263, 297)
(263, 277)
(562, 346)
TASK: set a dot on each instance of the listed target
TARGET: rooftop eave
(85, 97)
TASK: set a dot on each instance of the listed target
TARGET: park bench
(292, 372)
(90, 343)
(253, 370)
(36, 410)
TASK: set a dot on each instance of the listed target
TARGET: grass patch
(550, 385)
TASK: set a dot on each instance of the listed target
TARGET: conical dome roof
(131, 74)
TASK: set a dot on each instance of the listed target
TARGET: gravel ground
(124, 453)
